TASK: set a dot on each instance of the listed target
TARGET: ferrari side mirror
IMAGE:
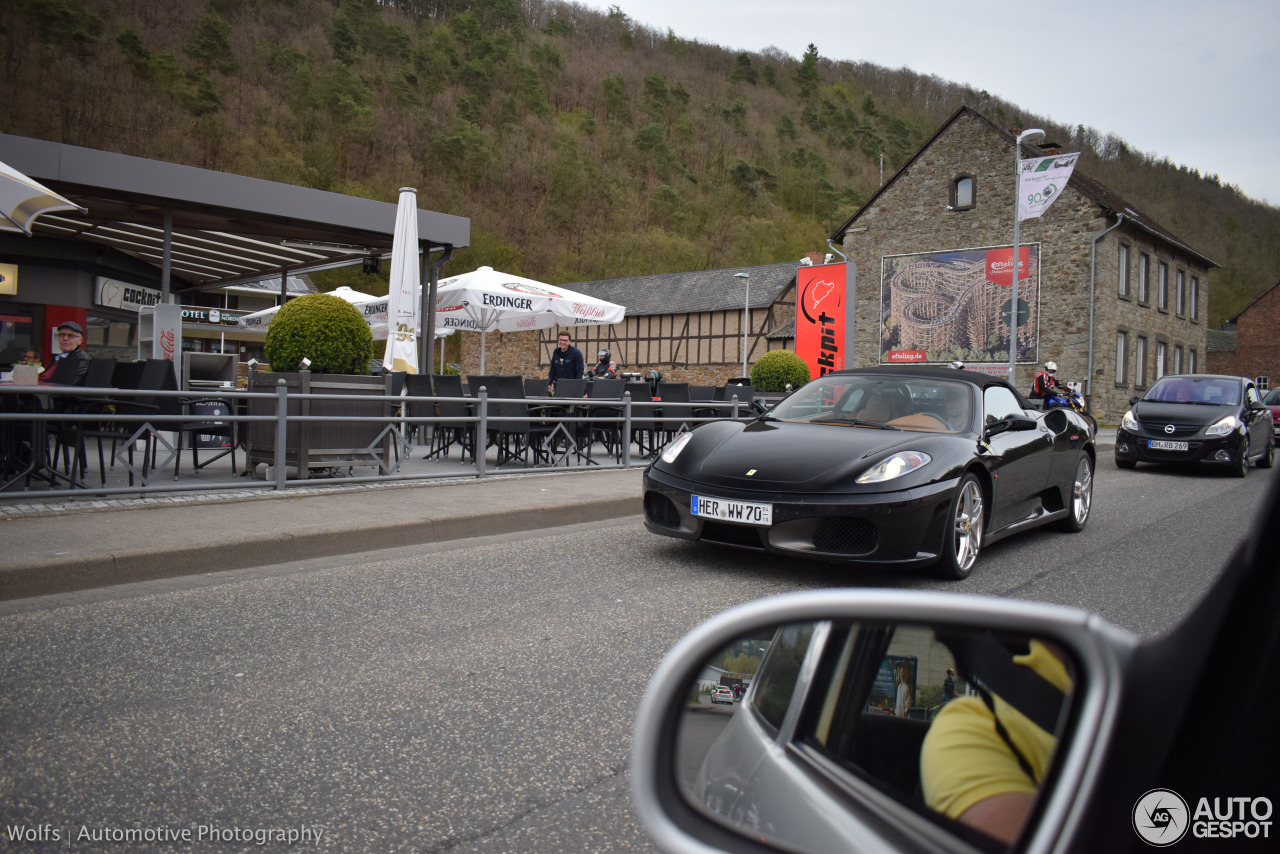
(848, 732)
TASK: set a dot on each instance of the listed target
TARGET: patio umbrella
(401, 353)
(262, 319)
(22, 200)
(486, 300)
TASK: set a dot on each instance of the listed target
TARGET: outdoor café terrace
(140, 434)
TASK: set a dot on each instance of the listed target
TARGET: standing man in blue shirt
(566, 362)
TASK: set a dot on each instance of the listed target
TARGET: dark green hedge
(776, 368)
(325, 329)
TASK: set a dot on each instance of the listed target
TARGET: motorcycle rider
(1045, 383)
(606, 368)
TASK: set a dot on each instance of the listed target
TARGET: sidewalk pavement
(100, 544)
(59, 546)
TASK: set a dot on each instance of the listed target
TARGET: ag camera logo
(1160, 817)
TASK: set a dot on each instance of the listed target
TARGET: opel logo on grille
(1169, 428)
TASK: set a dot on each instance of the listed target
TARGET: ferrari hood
(800, 457)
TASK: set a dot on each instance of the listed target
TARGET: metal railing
(33, 419)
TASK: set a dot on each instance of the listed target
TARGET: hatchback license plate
(1166, 445)
(742, 512)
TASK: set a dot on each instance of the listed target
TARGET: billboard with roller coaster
(943, 306)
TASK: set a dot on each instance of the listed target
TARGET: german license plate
(1166, 445)
(742, 512)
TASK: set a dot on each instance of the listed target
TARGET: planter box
(323, 444)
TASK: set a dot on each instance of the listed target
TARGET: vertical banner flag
(820, 317)
(401, 353)
(1043, 180)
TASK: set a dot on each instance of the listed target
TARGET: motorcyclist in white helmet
(1046, 384)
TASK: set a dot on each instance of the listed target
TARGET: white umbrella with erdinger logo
(486, 300)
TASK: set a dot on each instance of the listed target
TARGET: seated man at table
(70, 337)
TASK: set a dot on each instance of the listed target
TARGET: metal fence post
(282, 433)
(482, 430)
(626, 430)
(735, 406)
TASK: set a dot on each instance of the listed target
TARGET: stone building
(688, 326)
(1109, 294)
(1253, 350)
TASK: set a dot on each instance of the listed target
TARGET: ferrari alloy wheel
(964, 537)
(1081, 496)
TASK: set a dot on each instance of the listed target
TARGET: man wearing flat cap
(70, 339)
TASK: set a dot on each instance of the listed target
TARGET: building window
(964, 193)
(1162, 288)
(1177, 359)
(1195, 298)
(1162, 353)
(1144, 278)
(1263, 384)
(1122, 357)
(1140, 362)
(1123, 262)
(1191, 361)
(1181, 297)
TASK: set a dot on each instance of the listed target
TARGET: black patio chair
(68, 436)
(520, 438)
(451, 426)
(534, 387)
(644, 429)
(210, 432)
(608, 432)
(418, 385)
(675, 393)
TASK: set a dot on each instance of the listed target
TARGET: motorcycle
(1064, 397)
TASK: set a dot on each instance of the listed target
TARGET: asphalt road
(476, 696)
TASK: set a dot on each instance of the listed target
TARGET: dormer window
(964, 193)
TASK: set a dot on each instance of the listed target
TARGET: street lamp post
(1013, 301)
(746, 313)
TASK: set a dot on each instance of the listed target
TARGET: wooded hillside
(581, 145)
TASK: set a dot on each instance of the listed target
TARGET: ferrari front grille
(847, 536)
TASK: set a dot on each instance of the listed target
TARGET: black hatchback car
(1197, 418)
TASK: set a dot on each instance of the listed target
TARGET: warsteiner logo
(1160, 817)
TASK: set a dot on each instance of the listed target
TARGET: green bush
(776, 368)
(325, 329)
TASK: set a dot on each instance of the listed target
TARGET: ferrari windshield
(891, 403)
(1214, 391)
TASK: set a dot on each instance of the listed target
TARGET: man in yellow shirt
(983, 761)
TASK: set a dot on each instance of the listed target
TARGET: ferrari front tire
(962, 539)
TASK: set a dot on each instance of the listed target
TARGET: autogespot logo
(1160, 817)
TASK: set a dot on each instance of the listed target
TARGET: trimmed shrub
(775, 369)
(325, 329)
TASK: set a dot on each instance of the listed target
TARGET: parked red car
(1272, 402)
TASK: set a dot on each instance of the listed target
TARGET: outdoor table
(34, 399)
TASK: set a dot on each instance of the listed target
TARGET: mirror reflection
(959, 726)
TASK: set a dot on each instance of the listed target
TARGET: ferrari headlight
(1223, 427)
(894, 466)
(1128, 422)
(674, 447)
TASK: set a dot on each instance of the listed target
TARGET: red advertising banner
(820, 317)
(1000, 264)
(898, 356)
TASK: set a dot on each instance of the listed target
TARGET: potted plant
(775, 370)
(320, 344)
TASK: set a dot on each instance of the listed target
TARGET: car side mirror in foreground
(1011, 424)
(877, 721)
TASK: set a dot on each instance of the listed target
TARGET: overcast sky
(1197, 83)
